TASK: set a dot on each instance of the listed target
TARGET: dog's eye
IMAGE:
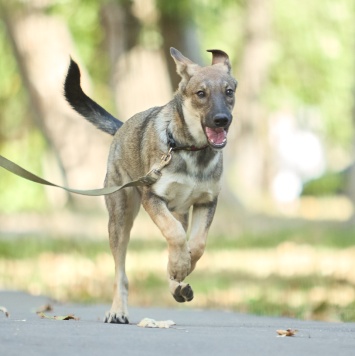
(201, 94)
(229, 92)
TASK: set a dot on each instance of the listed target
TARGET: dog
(191, 130)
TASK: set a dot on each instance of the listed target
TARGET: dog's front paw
(116, 318)
(183, 293)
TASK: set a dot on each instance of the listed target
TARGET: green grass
(319, 236)
(347, 314)
(32, 246)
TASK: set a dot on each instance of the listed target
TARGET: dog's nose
(221, 120)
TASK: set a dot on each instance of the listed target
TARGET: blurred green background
(282, 242)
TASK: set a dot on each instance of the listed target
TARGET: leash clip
(154, 174)
(165, 159)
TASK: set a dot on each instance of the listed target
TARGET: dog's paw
(116, 318)
(183, 293)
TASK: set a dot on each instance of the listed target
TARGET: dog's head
(208, 97)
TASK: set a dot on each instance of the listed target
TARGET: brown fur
(203, 102)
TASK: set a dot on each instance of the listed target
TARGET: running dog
(191, 131)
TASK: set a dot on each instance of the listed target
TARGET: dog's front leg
(173, 230)
(202, 216)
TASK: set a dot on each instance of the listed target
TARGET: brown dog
(191, 129)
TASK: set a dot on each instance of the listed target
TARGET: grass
(31, 246)
(307, 273)
(331, 237)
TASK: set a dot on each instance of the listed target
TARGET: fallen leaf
(151, 323)
(44, 308)
(66, 317)
(58, 317)
(287, 332)
(5, 311)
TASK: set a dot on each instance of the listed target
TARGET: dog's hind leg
(123, 207)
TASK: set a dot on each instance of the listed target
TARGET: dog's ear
(220, 57)
(184, 66)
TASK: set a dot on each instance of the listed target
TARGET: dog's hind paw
(183, 293)
(115, 318)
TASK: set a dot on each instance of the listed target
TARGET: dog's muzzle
(217, 133)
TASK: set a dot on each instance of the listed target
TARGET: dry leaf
(66, 317)
(44, 308)
(151, 323)
(287, 332)
(5, 311)
(58, 317)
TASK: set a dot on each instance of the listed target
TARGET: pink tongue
(217, 135)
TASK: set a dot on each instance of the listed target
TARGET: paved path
(198, 332)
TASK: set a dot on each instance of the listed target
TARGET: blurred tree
(284, 56)
(351, 174)
(41, 44)
(178, 30)
(36, 108)
(251, 155)
(301, 64)
(121, 28)
(350, 187)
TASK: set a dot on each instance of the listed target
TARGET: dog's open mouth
(217, 137)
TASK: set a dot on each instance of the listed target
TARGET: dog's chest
(192, 185)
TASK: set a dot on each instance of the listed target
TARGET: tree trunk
(42, 45)
(35, 107)
(179, 31)
(249, 140)
(121, 29)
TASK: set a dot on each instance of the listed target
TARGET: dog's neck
(176, 147)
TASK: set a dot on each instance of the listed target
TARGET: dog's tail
(85, 106)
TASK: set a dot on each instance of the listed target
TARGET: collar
(174, 147)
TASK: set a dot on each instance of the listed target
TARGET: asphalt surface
(197, 332)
